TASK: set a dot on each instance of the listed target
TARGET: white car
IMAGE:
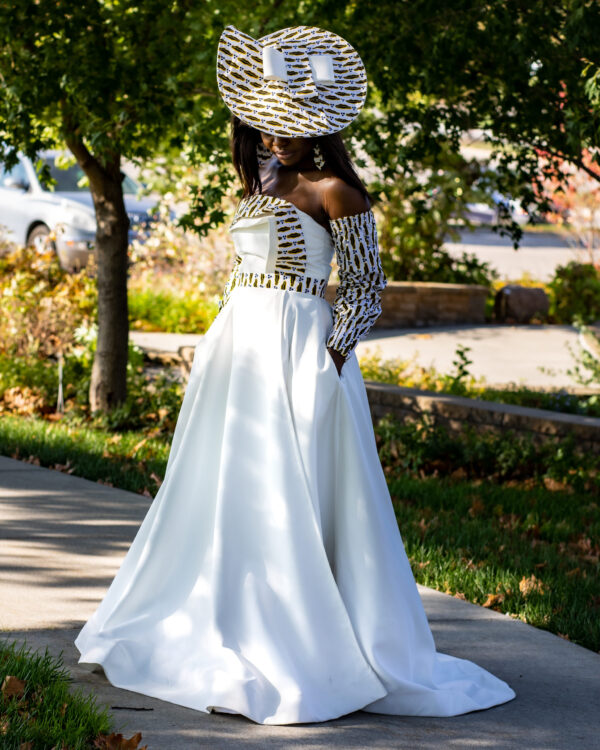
(63, 216)
(483, 213)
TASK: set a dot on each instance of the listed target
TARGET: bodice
(272, 235)
(278, 246)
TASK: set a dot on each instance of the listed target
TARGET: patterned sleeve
(230, 285)
(357, 303)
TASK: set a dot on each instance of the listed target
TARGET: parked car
(483, 213)
(63, 215)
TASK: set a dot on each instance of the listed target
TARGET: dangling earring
(318, 157)
(262, 153)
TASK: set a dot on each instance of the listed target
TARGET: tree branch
(578, 162)
(86, 160)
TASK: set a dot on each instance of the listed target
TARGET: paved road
(533, 355)
(62, 539)
(538, 255)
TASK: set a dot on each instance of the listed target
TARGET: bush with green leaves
(423, 448)
(575, 293)
(29, 385)
(172, 311)
(460, 382)
(40, 304)
(416, 216)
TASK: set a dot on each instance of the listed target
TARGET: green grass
(466, 530)
(533, 554)
(47, 714)
(151, 310)
(130, 460)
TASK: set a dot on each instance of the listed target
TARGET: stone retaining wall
(422, 303)
(454, 412)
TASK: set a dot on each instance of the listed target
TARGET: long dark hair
(244, 140)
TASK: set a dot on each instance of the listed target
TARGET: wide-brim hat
(297, 82)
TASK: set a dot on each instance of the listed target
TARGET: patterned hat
(297, 82)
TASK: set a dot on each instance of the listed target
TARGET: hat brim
(268, 105)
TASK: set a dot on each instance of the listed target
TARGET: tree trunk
(108, 387)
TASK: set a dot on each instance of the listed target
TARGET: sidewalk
(62, 539)
(532, 355)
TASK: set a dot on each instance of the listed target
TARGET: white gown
(269, 577)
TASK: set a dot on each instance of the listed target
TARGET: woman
(269, 578)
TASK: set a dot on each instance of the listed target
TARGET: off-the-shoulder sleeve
(357, 304)
(231, 283)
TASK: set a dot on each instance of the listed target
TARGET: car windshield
(73, 180)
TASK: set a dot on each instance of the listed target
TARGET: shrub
(575, 293)
(40, 304)
(415, 219)
(422, 448)
(163, 310)
(29, 385)
(460, 382)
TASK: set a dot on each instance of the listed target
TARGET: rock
(520, 303)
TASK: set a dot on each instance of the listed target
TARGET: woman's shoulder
(340, 199)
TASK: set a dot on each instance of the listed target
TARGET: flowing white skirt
(269, 578)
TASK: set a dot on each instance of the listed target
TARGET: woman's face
(289, 151)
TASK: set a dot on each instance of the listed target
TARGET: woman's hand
(338, 359)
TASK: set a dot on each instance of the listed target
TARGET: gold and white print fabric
(357, 302)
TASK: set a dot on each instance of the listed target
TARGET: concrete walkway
(62, 539)
(532, 355)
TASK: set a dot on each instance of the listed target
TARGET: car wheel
(38, 239)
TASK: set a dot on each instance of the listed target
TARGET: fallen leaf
(460, 595)
(531, 585)
(509, 521)
(554, 485)
(136, 447)
(12, 687)
(477, 507)
(116, 741)
(493, 599)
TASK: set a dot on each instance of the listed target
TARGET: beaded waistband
(276, 280)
